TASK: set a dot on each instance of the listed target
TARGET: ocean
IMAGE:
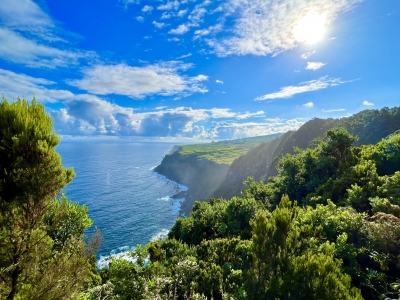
(127, 200)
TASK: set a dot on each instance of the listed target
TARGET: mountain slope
(369, 125)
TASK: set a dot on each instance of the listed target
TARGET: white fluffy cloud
(90, 115)
(169, 5)
(13, 85)
(147, 8)
(264, 27)
(219, 81)
(137, 82)
(314, 65)
(308, 86)
(367, 103)
(158, 24)
(308, 105)
(181, 29)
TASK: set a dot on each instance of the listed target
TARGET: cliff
(201, 176)
(202, 167)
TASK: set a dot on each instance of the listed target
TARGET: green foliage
(41, 236)
(339, 240)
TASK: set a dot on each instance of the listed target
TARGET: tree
(38, 253)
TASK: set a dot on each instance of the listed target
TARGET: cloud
(219, 81)
(169, 5)
(308, 104)
(182, 12)
(13, 85)
(140, 19)
(147, 8)
(90, 115)
(308, 86)
(367, 103)
(166, 15)
(17, 49)
(127, 2)
(26, 15)
(307, 54)
(267, 27)
(163, 79)
(184, 56)
(332, 110)
(314, 65)
(228, 130)
(207, 31)
(158, 25)
(248, 115)
(174, 39)
(30, 37)
(181, 29)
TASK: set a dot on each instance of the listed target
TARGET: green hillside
(369, 126)
(224, 152)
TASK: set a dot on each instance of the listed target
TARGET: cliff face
(255, 163)
(201, 176)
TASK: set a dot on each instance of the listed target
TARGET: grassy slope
(224, 152)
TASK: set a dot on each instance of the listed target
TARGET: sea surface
(127, 200)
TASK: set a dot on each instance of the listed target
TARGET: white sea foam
(181, 187)
(120, 253)
(161, 235)
(166, 198)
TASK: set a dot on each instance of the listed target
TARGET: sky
(199, 69)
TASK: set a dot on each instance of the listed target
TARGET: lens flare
(311, 28)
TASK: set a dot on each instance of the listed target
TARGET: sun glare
(311, 28)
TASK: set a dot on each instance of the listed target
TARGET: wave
(166, 198)
(161, 235)
(119, 253)
(181, 187)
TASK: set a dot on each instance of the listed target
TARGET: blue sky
(199, 69)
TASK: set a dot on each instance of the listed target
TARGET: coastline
(123, 252)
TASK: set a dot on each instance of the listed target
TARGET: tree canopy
(41, 231)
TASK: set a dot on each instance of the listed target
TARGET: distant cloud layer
(90, 115)
(137, 82)
(332, 110)
(308, 86)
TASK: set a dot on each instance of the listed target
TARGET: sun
(311, 28)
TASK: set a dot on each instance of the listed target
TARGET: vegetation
(370, 126)
(327, 226)
(339, 237)
(42, 253)
(224, 152)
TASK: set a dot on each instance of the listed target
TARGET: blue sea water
(127, 200)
